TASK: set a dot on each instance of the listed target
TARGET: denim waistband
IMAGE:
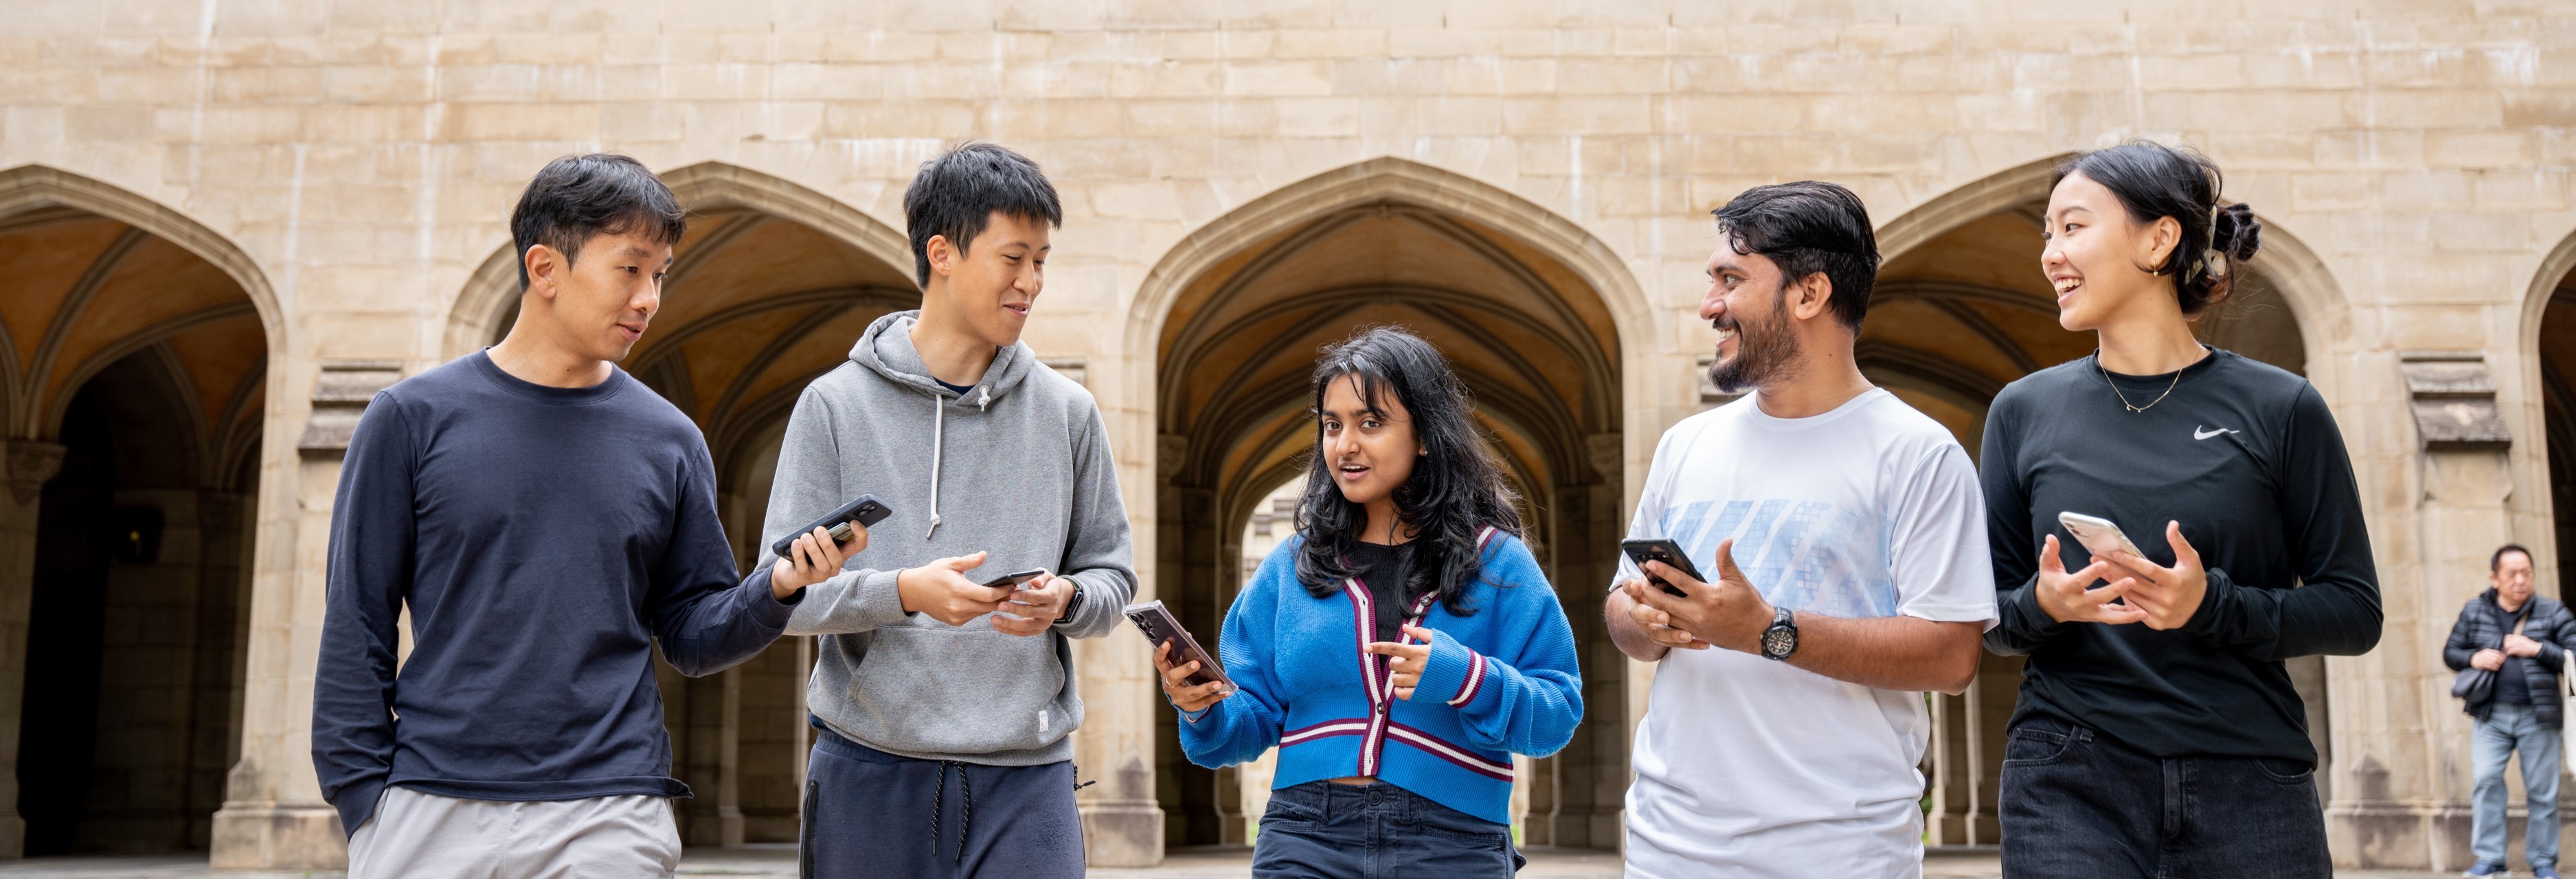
(1330, 800)
(2045, 723)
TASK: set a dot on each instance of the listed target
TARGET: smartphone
(1016, 579)
(1661, 550)
(865, 510)
(2098, 535)
(1160, 627)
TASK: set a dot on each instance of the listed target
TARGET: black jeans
(2076, 803)
(1322, 830)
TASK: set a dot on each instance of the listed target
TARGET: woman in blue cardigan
(1399, 649)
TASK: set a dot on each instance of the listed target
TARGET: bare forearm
(1889, 653)
(1625, 633)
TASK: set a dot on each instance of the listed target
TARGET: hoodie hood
(886, 349)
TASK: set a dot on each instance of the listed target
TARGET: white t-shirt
(1750, 767)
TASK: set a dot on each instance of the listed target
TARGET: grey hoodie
(1018, 466)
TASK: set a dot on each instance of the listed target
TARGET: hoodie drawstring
(938, 427)
(939, 441)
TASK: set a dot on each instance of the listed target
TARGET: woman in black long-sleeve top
(2157, 732)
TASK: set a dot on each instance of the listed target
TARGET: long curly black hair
(1456, 489)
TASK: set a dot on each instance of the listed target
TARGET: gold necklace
(2124, 398)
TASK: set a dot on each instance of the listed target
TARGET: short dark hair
(957, 193)
(1807, 227)
(2154, 181)
(576, 197)
(2496, 562)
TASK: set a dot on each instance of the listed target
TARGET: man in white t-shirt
(1847, 535)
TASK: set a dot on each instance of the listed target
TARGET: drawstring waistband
(965, 807)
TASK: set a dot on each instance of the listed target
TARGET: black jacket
(2479, 629)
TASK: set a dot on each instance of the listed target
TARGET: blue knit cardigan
(1501, 680)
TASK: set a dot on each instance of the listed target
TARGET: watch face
(1778, 641)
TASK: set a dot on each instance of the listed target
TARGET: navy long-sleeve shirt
(544, 539)
(2247, 457)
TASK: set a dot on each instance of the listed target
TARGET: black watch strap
(1781, 639)
(1071, 605)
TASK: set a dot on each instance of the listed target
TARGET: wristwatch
(1782, 638)
(1071, 604)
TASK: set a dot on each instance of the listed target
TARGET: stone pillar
(274, 816)
(1122, 825)
(2399, 742)
(729, 762)
(30, 463)
(1117, 746)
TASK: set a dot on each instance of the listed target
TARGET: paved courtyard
(780, 861)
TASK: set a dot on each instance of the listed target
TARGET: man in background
(2522, 638)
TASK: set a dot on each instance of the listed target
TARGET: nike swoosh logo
(2199, 434)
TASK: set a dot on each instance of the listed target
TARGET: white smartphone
(2098, 535)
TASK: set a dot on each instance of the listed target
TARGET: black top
(1382, 569)
(2512, 688)
(544, 539)
(2247, 457)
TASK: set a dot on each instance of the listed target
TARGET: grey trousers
(414, 834)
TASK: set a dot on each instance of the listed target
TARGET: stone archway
(2547, 337)
(767, 292)
(136, 367)
(1537, 318)
(1961, 309)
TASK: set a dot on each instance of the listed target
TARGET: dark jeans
(1322, 830)
(2079, 804)
(870, 813)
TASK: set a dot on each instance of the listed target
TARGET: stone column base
(2416, 835)
(13, 836)
(1122, 833)
(279, 836)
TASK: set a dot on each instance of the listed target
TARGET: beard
(1765, 350)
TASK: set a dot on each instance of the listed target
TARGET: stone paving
(780, 861)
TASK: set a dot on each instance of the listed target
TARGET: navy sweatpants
(870, 813)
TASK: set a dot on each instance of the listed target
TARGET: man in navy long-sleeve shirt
(547, 518)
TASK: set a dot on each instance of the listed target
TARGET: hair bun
(2236, 233)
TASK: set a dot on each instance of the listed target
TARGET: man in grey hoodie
(943, 705)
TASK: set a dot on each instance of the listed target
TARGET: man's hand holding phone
(1729, 613)
(1034, 607)
(1657, 624)
(813, 558)
(942, 590)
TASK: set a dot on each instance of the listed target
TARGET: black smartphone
(1016, 579)
(1159, 626)
(866, 510)
(1666, 551)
